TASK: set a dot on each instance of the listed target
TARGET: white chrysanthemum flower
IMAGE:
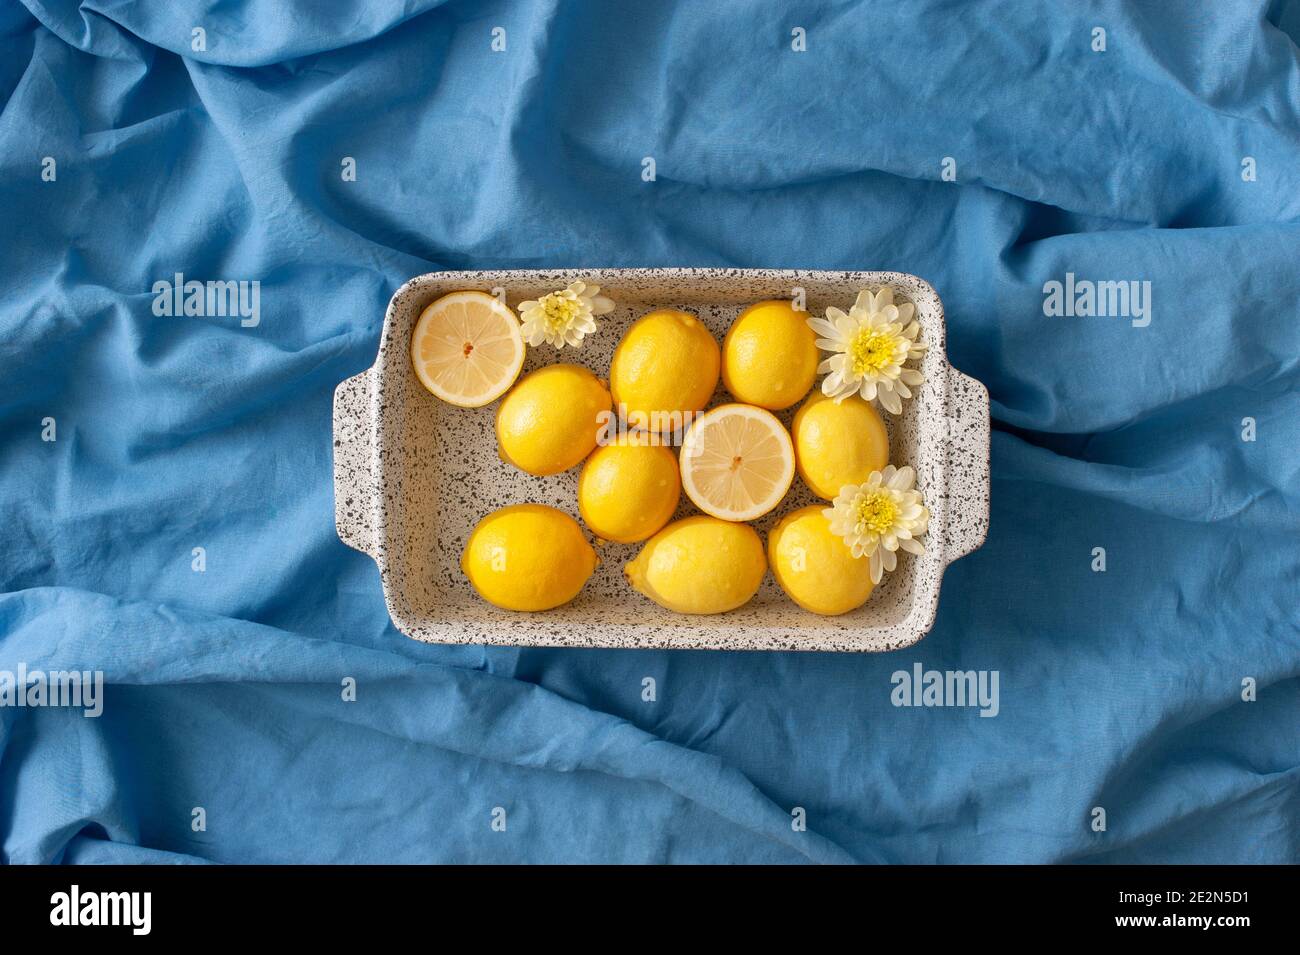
(870, 344)
(879, 516)
(563, 317)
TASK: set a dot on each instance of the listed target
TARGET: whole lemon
(838, 443)
(528, 557)
(629, 489)
(665, 368)
(549, 421)
(769, 357)
(700, 565)
(814, 567)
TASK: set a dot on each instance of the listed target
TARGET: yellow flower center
(558, 311)
(871, 350)
(876, 511)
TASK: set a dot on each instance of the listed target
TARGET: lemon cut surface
(737, 462)
(467, 349)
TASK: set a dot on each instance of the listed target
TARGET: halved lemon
(737, 462)
(467, 349)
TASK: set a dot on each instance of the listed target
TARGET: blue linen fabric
(991, 148)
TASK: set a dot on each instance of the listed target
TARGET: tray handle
(968, 465)
(355, 492)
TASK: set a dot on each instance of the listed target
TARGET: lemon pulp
(467, 348)
(737, 462)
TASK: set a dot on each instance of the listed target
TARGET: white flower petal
(822, 327)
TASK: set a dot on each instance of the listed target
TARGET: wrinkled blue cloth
(989, 148)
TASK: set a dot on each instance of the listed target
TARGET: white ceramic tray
(412, 475)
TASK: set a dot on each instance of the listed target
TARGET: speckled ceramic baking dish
(413, 475)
